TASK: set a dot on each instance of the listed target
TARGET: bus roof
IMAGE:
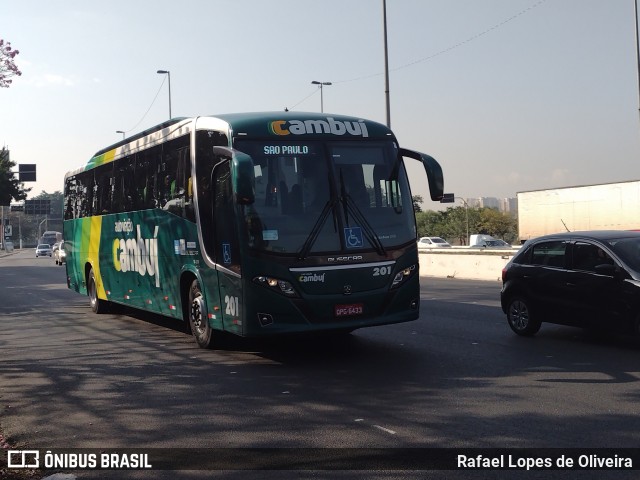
(291, 124)
(144, 133)
(273, 125)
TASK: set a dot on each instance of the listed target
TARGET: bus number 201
(232, 306)
(378, 271)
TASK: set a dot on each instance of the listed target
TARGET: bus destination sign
(286, 150)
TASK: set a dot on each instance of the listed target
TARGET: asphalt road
(456, 378)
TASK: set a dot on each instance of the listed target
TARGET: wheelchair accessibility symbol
(353, 237)
(226, 253)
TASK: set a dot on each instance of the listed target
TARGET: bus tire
(198, 321)
(97, 305)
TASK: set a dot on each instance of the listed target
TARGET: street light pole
(321, 84)
(386, 64)
(40, 226)
(168, 73)
(120, 131)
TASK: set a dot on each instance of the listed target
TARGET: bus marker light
(149, 302)
(166, 298)
(216, 308)
(265, 319)
(127, 297)
(172, 307)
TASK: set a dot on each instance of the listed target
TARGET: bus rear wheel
(97, 306)
(198, 321)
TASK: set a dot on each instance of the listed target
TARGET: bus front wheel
(198, 320)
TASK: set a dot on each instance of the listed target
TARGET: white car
(43, 250)
(432, 242)
(60, 254)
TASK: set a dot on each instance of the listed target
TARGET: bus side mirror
(243, 178)
(433, 169)
(242, 174)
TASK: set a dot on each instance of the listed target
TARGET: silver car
(432, 242)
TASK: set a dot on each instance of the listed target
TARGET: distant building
(506, 205)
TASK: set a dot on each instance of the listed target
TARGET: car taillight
(504, 273)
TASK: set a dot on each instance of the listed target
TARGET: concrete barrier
(465, 263)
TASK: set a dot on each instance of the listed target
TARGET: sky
(508, 95)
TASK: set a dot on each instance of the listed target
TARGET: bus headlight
(403, 275)
(277, 285)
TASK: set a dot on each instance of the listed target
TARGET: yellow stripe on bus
(94, 254)
(109, 156)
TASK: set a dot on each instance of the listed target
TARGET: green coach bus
(255, 224)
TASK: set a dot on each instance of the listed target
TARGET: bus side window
(202, 189)
(141, 179)
(154, 186)
(129, 188)
(174, 173)
(83, 202)
(103, 189)
(227, 245)
(71, 195)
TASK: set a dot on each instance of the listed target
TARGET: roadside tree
(8, 67)
(455, 224)
(10, 186)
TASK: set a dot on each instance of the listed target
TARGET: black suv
(582, 279)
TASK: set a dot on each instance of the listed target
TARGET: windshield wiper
(315, 231)
(369, 232)
(351, 207)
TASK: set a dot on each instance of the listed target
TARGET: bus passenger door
(227, 248)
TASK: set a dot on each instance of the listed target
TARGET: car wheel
(520, 318)
(97, 305)
(198, 321)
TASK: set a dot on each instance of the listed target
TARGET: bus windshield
(316, 197)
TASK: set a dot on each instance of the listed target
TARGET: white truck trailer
(610, 206)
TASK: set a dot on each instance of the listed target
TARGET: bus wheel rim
(197, 313)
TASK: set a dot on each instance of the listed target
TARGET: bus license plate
(348, 310)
